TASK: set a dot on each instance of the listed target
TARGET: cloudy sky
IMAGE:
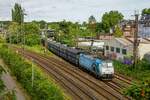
(74, 10)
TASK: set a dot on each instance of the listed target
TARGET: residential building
(120, 48)
(144, 26)
(106, 36)
(127, 27)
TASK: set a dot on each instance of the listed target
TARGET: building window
(124, 51)
(118, 50)
(107, 47)
(112, 49)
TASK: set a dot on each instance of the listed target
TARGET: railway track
(88, 82)
(119, 81)
(123, 78)
(95, 88)
(79, 91)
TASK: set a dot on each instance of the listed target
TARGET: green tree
(92, 25)
(146, 11)
(99, 27)
(92, 20)
(17, 14)
(13, 33)
(31, 33)
(64, 27)
(109, 20)
(42, 24)
(84, 24)
(31, 28)
(13, 28)
(118, 32)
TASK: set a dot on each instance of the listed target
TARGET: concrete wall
(143, 49)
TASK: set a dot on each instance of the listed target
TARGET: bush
(140, 72)
(2, 86)
(32, 39)
(43, 89)
(139, 91)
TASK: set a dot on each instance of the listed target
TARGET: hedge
(43, 88)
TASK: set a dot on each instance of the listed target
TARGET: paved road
(11, 84)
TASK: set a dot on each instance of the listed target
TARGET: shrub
(30, 41)
(2, 86)
(140, 72)
(139, 91)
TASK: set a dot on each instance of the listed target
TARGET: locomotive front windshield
(107, 64)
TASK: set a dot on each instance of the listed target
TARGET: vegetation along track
(95, 89)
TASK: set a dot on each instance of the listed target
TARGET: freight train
(102, 69)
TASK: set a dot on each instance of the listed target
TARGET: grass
(38, 49)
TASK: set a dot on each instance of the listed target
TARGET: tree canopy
(42, 24)
(118, 32)
(92, 19)
(17, 14)
(146, 11)
(110, 19)
(31, 33)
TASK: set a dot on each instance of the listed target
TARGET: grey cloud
(74, 10)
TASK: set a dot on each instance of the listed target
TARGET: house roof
(130, 41)
(123, 41)
(142, 40)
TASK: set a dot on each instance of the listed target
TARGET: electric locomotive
(103, 69)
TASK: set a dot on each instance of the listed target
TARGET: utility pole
(136, 42)
(32, 72)
(45, 32)
(76, 36)
(93, 24)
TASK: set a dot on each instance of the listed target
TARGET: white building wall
(143, 49)
(114, 43)
(97, 44)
